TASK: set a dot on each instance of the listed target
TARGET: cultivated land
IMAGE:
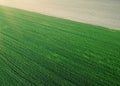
(99, 12)
(39, 50)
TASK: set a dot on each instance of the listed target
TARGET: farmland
(41, 50)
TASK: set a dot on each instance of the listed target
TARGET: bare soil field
(98, 12)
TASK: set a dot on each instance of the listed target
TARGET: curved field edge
(40, 50)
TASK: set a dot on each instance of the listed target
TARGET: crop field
(40, 50)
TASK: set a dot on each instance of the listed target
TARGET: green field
(40, 50)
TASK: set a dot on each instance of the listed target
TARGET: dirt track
(99, 12)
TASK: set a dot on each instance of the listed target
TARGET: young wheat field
(40, 50)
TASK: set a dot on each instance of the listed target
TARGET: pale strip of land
(99, 12)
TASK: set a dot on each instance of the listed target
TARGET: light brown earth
(99, 12)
